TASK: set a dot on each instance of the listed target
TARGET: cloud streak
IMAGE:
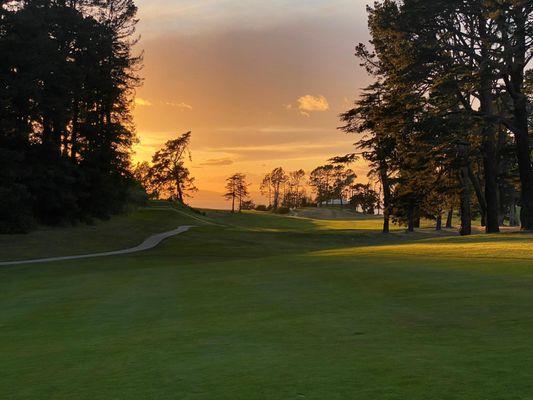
(271, 129)
(140, 102)
(218, 162)
(182, 106)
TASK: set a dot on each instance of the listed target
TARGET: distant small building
(334, 202)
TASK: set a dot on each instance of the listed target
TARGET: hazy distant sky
(259, 83)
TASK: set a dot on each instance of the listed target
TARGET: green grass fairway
(268, 307)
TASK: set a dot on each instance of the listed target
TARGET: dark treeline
(285, 190)
(331, 184)
(67, 75)
(447, 122)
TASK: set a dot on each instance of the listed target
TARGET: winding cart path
(148, 244)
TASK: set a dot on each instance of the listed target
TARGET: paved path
(149, 243)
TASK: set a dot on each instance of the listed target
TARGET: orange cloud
(142, 102)
(309, 103)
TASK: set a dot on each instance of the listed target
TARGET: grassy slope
(332, 213)
(118, 233)
(268, 307)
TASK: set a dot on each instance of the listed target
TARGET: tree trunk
(502, 213)
(491, 170)
(523, 155)
(466, 212)
(518, 49)
(378, 205)
(384, 177)
(486, 99)
(465, 195)
(504, 170)
(386, 222)
(417, 218)
(479, 194)
(233, 203)
(411, 218)
(179, 192)
(449, 219)
(438, 224)
(512, 213)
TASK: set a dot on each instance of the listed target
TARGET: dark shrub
(15, 210)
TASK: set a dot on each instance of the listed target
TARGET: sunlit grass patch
(504, 246)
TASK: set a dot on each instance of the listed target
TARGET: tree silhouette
(237, 190)
(450, 97)
(272, 186)
(168, 173)
(67, 80)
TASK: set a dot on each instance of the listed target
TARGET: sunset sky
(259, 83)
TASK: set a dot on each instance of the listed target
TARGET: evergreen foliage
(67, 76)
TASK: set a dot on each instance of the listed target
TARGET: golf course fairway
(261, 306)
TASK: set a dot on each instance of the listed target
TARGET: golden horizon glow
(256, 95)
